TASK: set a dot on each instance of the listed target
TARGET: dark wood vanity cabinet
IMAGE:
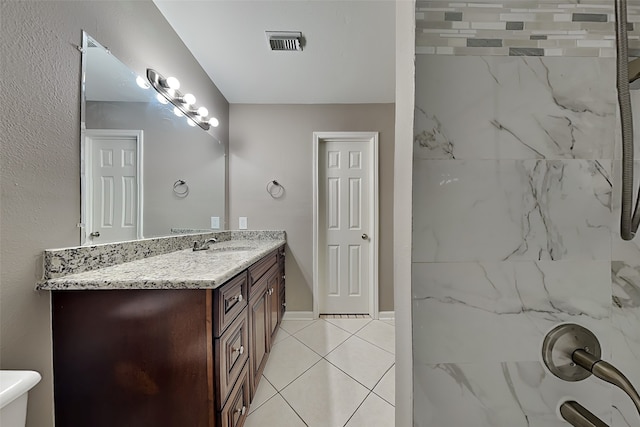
(160, 357)
(265, 314)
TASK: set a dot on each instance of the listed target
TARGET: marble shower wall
(515, 230)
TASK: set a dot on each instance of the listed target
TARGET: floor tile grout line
(262, 404)
(294, 409)
(336, 347)
(369, 391)
(383, 399)
(285, 401)
(349, 375)
(312, 322)
(300, 341)
(353, 333)
(325, 358)
(306, 370)
(373, 390)
(267, 380)
(375, 343)
(372, 343)
(356, 410)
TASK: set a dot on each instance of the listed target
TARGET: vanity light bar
(168, 89)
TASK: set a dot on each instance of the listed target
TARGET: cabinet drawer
(257, 270)
(236, 410)
(231, 353)
(228, 301)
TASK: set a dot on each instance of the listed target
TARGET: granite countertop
(183, 269)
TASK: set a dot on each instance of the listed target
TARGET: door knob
(364, 236)
(95, 234)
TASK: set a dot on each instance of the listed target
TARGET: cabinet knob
(284, 304)
(242, 410)
(283, 276)
(239, 350)
(239, 297)
(95, 234)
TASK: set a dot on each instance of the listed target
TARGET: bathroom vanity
(178, 339)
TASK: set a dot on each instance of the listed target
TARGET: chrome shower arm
(579, 416)
(606, 372)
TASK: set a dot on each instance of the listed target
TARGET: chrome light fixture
(167, 89)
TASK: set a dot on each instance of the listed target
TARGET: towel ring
(275, 189)
(180, 188)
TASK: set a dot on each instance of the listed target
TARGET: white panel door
(343, 190)
(113, 185)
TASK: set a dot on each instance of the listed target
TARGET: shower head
(634, 74)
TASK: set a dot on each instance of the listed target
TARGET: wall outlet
(242, 222)
(215, 222)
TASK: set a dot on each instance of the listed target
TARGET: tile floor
(331, 372)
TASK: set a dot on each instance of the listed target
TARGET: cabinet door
(281, 277)
(138, 358)
(259, 333)
(273, 289)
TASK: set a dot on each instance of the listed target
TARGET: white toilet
(14, 387)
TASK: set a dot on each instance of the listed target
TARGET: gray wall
(40, 133)
(275, 142)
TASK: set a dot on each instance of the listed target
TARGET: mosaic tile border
(521, 29)
(62, 262)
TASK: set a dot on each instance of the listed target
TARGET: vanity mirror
(144, 170)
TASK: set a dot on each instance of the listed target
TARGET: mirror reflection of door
(114, 183)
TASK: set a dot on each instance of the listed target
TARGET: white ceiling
(348, 56)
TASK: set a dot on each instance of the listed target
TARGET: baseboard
(298, 315)
(387, 315)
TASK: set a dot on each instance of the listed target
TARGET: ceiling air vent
(284, 40)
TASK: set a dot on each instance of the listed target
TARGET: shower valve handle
(606, 372)
(572, 353)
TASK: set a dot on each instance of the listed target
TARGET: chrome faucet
(204, 246)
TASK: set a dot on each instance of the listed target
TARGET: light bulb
(142, 83)
(203, 112)
(172, 83)
(161, 99)
(189, 99)
(177, 112)
(213, 122)
(190, 122)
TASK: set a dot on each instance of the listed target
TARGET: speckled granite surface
(182, 269)
(191, 230)
(65, 261)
